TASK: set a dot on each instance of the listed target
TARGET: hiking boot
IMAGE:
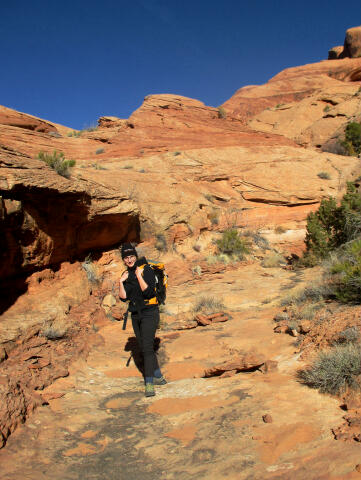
(149, 390)
(159, 380)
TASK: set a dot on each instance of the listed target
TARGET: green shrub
(331, 226)
(334, 370)
(352, 142)
(209, 305)
(74, 133)
(233, 245)
(99, 151)
(327, 108)
(346, 268)
(57, 162)
(324, 175)
(222, 113)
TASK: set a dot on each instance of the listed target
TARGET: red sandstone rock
(203, 319)
(281, 329)
(222, 318)
(267, 418)
(51, 396)
(248, 361)
(305, 326)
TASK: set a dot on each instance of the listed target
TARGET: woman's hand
(124, 277)
(138, 274)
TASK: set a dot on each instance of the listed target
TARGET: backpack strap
(153, 300)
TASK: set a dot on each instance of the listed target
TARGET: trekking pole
(125, 319)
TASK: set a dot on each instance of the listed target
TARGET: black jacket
(132, 288)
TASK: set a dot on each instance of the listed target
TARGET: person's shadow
(135, 352)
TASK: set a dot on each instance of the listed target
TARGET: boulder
(246, 362)
(352, 45)
(335, 52)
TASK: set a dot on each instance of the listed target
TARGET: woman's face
(130, 260)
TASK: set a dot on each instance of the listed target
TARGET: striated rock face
(293, 85)
(46, 219)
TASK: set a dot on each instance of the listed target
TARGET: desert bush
(99, 151)
(331, 225)
(273, 260)
(54, 331)
(349, 335)
(92, 128)
(57, 162)
(209, 305)
(257, 238)
(334, 370)
(222, 113)
(352, 142)
(55, 134)
(316, 292)
(74, 133)
(98, 167)
(90, 270)
(345, 266)
(324, 175)
(197, 270)
(177, 153)
(233, 245)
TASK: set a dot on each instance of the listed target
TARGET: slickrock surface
(293, 85)
(173, 176)
(98, 424)
(209, 169)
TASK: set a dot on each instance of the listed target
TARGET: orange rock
(202, 319)
(281, 329)
(267, 418)
(305, 326)
(248, 361)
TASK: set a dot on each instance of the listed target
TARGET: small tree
(331, 226)
(352, 142)
(233, 245)
(222, 113)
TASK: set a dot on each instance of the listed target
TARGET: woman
(137, 284)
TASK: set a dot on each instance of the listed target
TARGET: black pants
(144, 329)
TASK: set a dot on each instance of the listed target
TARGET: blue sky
(73, 61)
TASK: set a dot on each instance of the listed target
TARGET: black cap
(127, 250)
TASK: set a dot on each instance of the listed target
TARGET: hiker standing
(137, 284)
